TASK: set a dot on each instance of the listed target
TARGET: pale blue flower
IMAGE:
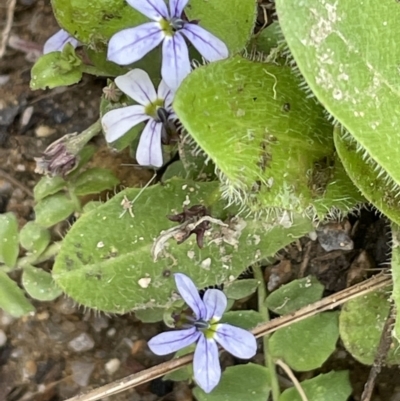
(153, 106)
(204, 329)
(57, 42)
(168, 27)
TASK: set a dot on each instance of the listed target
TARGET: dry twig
(293, 378)
(7, 29)
(328, 303)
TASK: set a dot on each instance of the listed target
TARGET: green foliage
(93, 181)
(238, 383)
(294, 295)
(361, 323)
(12, 298)
(332, 386)
(254, 122)
(380, 190)
(241, 288)
(307, 344)
(53, 209)
(9, 247)
(56, 69)
(246, 319)
(34, 238)
(102, 269)
(395, 263)
(353, 71)
(48, 186)
(39, 284)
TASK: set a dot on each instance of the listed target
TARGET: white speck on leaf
(144, 282)
(100, 244)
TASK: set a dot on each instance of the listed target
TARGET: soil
(61, 349)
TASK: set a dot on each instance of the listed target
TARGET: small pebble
(112, 366)
(99, 323)
(111, 332)
(42, 315)
(81, 343)
(44, 131)
(30, 369)
(81, 372)
(3, 338)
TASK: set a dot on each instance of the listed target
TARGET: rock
(112, 366)
(81, 372)
(83, 342)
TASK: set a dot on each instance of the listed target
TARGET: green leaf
(48, 186)
(83, 158)
(361, 323)
(9, 244)
(332, 386)
(353, 71)
(239, 383)
(94, 181)
(94, 22)
(250, 119)
(150, 315)
(39, 284)
(395, 263)
(53, 209)
(56, 69)
(12, 298)
(241, 288)
(34, 238)
(106, 261)
(234, 26)
(246, 319)
(379, 189)
(196, 163)
(307, 344)
(294, 295)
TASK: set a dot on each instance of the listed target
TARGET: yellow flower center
(151, 109)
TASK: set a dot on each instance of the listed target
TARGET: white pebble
(112, 366)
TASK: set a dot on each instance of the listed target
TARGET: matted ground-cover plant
(255, 140)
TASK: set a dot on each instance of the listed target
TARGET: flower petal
(117, 122)
(238, 342)
(176, 7)
(57, 42)
(190, 294)
(208, 45)
(215, 302)
(166, 93)
(206, 367)
(172, 341)
(137, 85)
(149, 151)
(175, 60)
(153, 9)
(130, 45)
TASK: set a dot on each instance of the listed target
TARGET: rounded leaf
(12, 298)
(94, 181)
(361, 323)
(306, 345)
(294, 295)
(39, 284)
(34, 238)
(48, 186)
(9, 242)
(241, 288)
(53, 209)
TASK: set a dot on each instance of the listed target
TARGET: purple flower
(204, 329)
(130, 45)
(57, 42)
(153, 106)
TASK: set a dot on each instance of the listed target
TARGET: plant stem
(269, 363)
(92, 70)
